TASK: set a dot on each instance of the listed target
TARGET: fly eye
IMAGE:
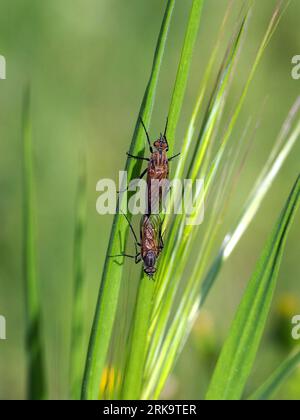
(165, 144)
(150, 260)
(150, 271)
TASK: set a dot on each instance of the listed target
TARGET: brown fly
(151, 243)
(158, 167)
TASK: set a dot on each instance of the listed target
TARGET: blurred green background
(88, 62)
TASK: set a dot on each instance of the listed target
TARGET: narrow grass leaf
(112, 273)
(268, 390)
(136, 365)
(188, 139)
(177, 248)
(254, 202)
(137, 355)
(36, 384)
(186, 314)
(184, 68)
(260, 191)
(77, 335)
(239, 351)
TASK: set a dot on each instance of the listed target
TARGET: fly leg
(132, 230)
(138, 258)
(166, 127)
(147, 135)
(161, 245)
(122, 255)
(140, 177)
(161, 240)
(137, 243)
(138, 157)
(143, 173)
(173, 157)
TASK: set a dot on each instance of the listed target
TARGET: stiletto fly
(151, 243)
(157, 169)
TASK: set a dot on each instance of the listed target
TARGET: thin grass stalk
(239, 351)
(112, 274)
(180, 239)
(183, 69)
(206, 136)
(269, 389)
(136, 361)
(36, 382)
(187, 312)
(78, 315)
(195, 168)
(191, 299)
(136, 357)
(188, 139)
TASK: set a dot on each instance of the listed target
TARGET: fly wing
(156, 225)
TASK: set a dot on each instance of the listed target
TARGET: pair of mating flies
(151, 238)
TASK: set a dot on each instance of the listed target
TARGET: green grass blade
(274, 22)
(112, 274)
(188, 139)
(36, 386)
(260, 191)
(263, 185)
(184, 318)
(203, 141)
(136, 362)
(176, 250)
(77, 336)
(239, 351)
(183, 68)
(271, 386)
(137, 355)
(166, 345)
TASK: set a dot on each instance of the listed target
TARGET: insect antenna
(165, 133)
(147, 135)
(166, 127)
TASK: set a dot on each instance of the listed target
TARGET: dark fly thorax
(158, 167)
(159, 160)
